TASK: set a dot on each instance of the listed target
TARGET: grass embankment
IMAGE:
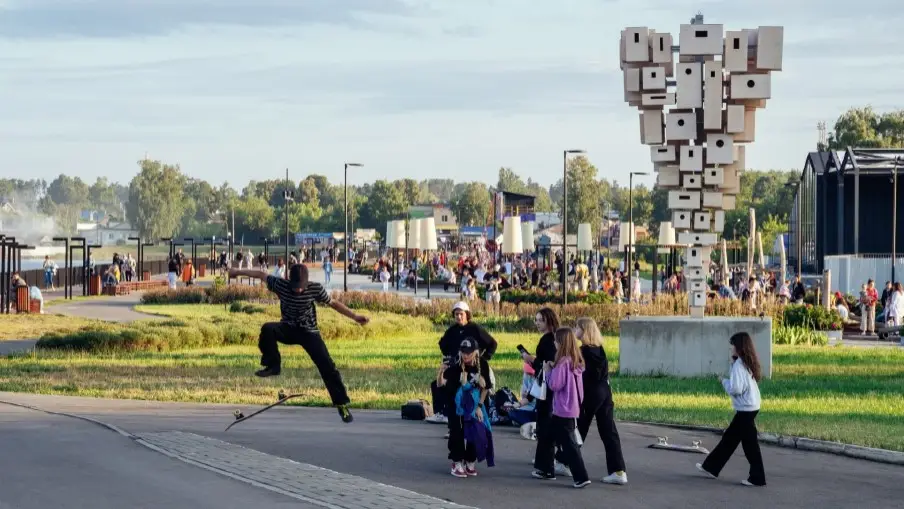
(850, 395)
(28, 326)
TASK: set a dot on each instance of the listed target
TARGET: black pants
(544, 458)
(439, 397)
(278, 332)
(563, 429)
(458, 450)
(741, 430)
(603, 409)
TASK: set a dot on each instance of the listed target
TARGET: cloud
(138, 18)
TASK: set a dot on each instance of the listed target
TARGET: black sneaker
(264, 373)
(345, 414)
(547, 476)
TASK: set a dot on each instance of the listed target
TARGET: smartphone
(522, 349)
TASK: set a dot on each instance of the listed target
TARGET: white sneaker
(437, 419)
(561, 469)
(471, 468)
(458, 470)
(707, 474)
(616, 478)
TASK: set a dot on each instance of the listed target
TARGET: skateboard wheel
(238, 414)
(281, 395)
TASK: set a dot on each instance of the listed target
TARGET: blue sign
(301, 237)
(473, 230)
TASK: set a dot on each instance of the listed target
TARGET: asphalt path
(52, 462)
(381, 447)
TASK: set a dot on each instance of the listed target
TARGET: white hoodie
(743, 389)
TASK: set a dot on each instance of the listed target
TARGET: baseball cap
(298, 276)
(462, 305)
(468, 345)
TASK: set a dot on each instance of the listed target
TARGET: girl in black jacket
(598, 399)
(544, 459)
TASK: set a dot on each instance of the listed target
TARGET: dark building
(845, 201)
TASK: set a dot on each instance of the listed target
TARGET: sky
(235, 90)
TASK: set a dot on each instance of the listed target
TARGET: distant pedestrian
(745, 398)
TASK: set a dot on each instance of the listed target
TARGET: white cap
(462, 305)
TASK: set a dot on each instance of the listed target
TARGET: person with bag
(565, 381)
(466, 384)
(745, 398)
(598, 399)
(544, 458)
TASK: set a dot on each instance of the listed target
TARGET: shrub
(217, 294)
(189, 295)
(811, 317)
(785, 335)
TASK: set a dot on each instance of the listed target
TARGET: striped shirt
(298, 308)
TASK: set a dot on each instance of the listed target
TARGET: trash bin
(146, 275)
(22, 298)
(94, 286)
(202, 270)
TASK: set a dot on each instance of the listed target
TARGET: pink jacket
(565, 381)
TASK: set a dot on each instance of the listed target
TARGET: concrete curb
(804, 444)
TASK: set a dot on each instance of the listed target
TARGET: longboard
(663, 443)
(240, 417)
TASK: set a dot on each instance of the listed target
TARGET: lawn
(845, 394)
(28, 326)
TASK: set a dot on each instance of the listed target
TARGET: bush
(784, 335)
(517, 296)
(217, 294)
(811, 317)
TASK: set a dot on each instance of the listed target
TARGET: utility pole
(288, 196)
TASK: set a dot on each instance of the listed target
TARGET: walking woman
(467, 383)
(598, 399)
(544, 459)
(745, 398)
(565, 381)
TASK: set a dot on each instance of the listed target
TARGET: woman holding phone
(544, 459)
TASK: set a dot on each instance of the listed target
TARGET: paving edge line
(137, 439)
(805, 444)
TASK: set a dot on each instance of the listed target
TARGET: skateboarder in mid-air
(298, 326)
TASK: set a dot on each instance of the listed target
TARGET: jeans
(273, 333)
(741, 430)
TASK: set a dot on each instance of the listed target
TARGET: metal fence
(850, 272)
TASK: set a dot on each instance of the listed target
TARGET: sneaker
(539, 474)
(561, 469)
(264, 373)
(458, 470)
(471, 468)
(345, 414)
(437, 419)
(745, 482)
(448, 433)
(616, 478)
(705, 472)
(582, 484)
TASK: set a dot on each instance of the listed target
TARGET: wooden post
(784, 262)
(751, 237)
(759, 241)
(827, 289)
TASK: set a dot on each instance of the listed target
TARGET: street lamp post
(797, 224)
(288, 195)
(564, 275)
(629, 258)
(894, 219)
(345, 266)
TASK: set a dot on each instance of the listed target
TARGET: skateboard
(240, 417)
(885, 332)
(663, 443)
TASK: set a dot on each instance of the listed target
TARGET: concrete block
(684, 200)
(668, 177)
(632, 79)
(696, 273)
(713, 95)
(697, 312)
(698, 256)
(734, 57)
(691, 181)
(681, 126)
(637, 44)
(748, 133)
(691, 158)
(652, 78)
(658, 99)
(719, 221)
(750, 86)
(698, 239)
(769, 48)
(651, 128)
(684, 346)
(713, 176)
(661, 48)
(734, 119)
(729, 202)
(698, 299)
(702, 221)
(697, 286)
(700, 40)
(681, 219)
(719, 149)
(712, 200)
(663, 154)
(689, 85)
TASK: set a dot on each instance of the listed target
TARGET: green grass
(28, 326)
(844, 394)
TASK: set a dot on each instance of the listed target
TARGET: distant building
(107, 233)
(446, 224)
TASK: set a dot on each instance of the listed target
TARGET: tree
(471, 203)
(863, 127)
(155, 199)
(254, 217)
(509, 181)
(102, 195)
(583, 195)
(386, 202)
(68, 191)
(308, 192)
(543, 203)
(440, 188)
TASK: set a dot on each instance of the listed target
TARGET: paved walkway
(380, 451)
(113, 309)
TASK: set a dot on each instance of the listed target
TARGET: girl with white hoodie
(745, 398)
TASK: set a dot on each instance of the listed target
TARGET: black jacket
(546, 351)
(596, 371)
(451, 340)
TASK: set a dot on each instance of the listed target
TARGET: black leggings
(741, 430)
(604, 410)
(273, 333)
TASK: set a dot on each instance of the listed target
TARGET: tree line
(162, 201)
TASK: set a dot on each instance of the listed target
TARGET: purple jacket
(565, 381)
